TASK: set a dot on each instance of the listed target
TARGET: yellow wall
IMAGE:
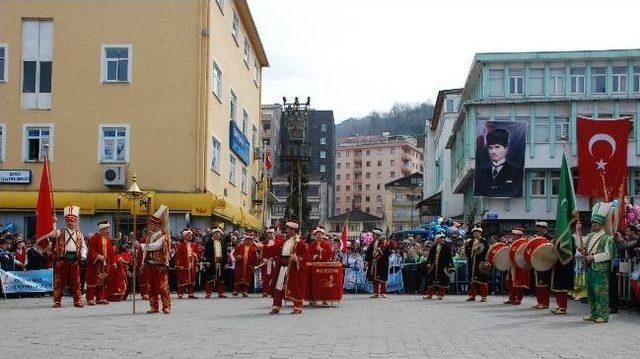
(169, 104)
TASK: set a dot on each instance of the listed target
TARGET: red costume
(68, 249)
(266, 271)
(117, 280)
(290, 274)
(142, 279)
(246, 259)
(21, 256)
(98, 264)
(185, 264)
(317, 251)
(519, 279)
(156, 262)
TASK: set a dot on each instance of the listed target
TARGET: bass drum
(541, 254)
(516, 253)
(498, 256)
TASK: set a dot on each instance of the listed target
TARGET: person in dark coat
(439, 263)
(499, 178)
(377, 259)
(215, 258)
(35, 258)
(476, 251)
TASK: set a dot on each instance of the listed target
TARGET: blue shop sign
(239, 143)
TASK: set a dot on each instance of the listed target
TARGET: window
(379, 151)
(392, 174)
(368, 164)
(243, 179)
(378, 210)
(347, 188)
(392, 150)
(367, 209)
(323, 154)
(379, 176)
(232, 170)
(338, 177)
(598, 80)
(338, 154)
(266, 126)
(542, 129)
(337, 199)
(398, 196)
(3, 63)
(536, 80)
(338, 188)
(367, 199)
(37, 63)
(516, 81)
(323, 127)
(215, 154)
(451, 105)
(348, 154)
(245, 120)
(577, 80)
(235, 26)
(556, 82)
(619, 79)
(217, 81)
(555, 183)
(338, 165)
(636, 79)
(392, 162)
(3, 131)
(116, 63)
(247, 51)
(367, 187)
(114, 143)
(379, 197)
(496, 82)
(378, 186)
(367, 175)
(538, 183)
(636, 183)
(233, 106)
(379, 163)
(348, 199)
(348, 164)
(368, 152)
(323, 168)
(36, 137)
(256, 71)
(348, 176)
(561, 128)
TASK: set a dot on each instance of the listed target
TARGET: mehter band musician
(377, 259)
(98, 264)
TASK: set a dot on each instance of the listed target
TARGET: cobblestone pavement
(397, 327)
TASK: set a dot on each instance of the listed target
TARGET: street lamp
(134, 194)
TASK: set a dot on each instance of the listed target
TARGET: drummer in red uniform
(320, 250)
(519, 279)
(542, 279)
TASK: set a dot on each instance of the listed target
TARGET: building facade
(439, 199)
(358, 222)
(168, 90)
(320, 152)
(547, 91)
(364, 164)
(401, 200)
(270, 134)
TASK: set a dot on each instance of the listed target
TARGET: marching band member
(156, 260)
(117, 280)
(476, 252)
(519, 279)
(268, 264)
(67, 249)
(98, 264)
(291, 268)
(320, 250)
(215, 256)
(542, 279)
(377, 259)
(439, 264)
(185, 264)
(246, 256)
(598, 253)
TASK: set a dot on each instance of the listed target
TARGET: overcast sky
(356, 56)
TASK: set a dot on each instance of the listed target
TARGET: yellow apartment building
(167, 89)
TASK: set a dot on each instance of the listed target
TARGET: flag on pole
(343, 238)
(44, 206)
(565, 214)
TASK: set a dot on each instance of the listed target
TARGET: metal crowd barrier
(625, 272)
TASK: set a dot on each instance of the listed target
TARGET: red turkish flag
(602, 151)
(267, 161)
(44, 206)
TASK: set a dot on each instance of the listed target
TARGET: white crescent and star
(600, 165)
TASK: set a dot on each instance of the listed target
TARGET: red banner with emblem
(602, 156)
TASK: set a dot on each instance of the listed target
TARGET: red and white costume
(156, 261)
(98, 265)
(185, 264)
(246, 255)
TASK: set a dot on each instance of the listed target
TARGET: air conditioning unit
(114, 176)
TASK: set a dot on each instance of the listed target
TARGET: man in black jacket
(377, 259)
(499, 178)
(215, 258)
(439, 263)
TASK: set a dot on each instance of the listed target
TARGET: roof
(406, 181)
(355, 215)
(252, 32)
(439, 104)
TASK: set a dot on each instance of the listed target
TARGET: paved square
(397, 327)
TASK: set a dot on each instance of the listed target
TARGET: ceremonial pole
(563, 139)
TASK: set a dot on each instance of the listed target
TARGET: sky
(359, 56)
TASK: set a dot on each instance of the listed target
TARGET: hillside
(402, 119)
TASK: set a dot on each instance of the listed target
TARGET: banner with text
(31, 281)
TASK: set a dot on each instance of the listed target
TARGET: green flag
(564, 214)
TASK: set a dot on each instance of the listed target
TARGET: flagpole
(563, 139)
